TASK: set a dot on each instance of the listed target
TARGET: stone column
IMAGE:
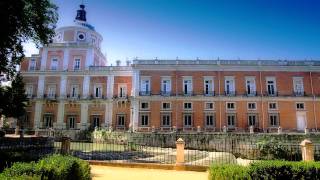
(108, 114)
(135, 83)
(86, 86)
(84, 116)
(60, 116)
(134, 115)
(63, 87)
(307, 150)
(180, 154)
(65, 146)
(40, 90)
(110, 86)
(89, 58)
(65, 59)
(37, 115)
(44, 57)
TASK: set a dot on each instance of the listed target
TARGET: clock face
(81, 36)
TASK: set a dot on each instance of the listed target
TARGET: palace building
(71, 88)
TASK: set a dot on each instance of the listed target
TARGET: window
(250, 86)
(273, 106)
(165, 119)
(208, 86)
(252, 120)
(121, 120)
(95, 121)
(29, 90)
(51, 91)
(274, 119)
(165, 86)
(144, 119)
(166, 105)
(187, 119)
(74, 91)
(209, 105)
(209, 120)
(32, 64)
(145, 86)
(271, 86)
(252, 106)
(71, 122)
(187, 86)
(144, 105)
(298, 86)
(122, 91)
(54, 64)
(231, 120)
(76, 65)
(229, 86)
(48, 121)
(81, 36)
(187, 106)
(97, 91)
(300, 106)
(231, 106)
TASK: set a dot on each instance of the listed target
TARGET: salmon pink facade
(71, 88)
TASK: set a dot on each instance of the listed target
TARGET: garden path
(124, 173)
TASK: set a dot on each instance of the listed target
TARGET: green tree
(21, 21)
(16, 100)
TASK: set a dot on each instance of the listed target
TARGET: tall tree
(16, 98)
(21, 21)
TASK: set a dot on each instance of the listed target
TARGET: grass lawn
(89, 147)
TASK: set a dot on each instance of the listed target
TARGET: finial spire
(81, 13)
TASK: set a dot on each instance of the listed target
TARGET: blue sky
(208, 29)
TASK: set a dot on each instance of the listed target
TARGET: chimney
(128, 63)
(118, 62)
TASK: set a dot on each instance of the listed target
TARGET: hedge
(57, 167)
(266, 170)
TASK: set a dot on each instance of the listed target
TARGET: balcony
(299, 93)
(251, 93)
(50, 96)
(31, 96)
(271, 93)
(144, 93)
(73, 97)
(230, 93)
(166, 93)
(100, 96)
(208, 93)
(187, 93)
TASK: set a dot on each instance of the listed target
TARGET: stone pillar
(65, 59)
(65, 145)
(307, 150)
(37, 115)
(40, 90)
(44, 57)
(84, 116)
(63, 87)
(134, 115)
(89, 58)
(224, 129)
(110, 85)
(251, 130)
(60, 116)
(135, 83)
(86, 86)
(198, 129)
(279, 130)
(306, 131)
(108, 114)
(180, 153)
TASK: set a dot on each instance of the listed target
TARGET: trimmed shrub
(55, 167)
(267, 170)
(226, 172)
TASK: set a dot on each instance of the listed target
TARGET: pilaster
(65, 59)
(86, 86)
(40, 86)
(110, 85)
(44, 57)
(84, 116)
(37, 114)
(63, 86)
(60, 116)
